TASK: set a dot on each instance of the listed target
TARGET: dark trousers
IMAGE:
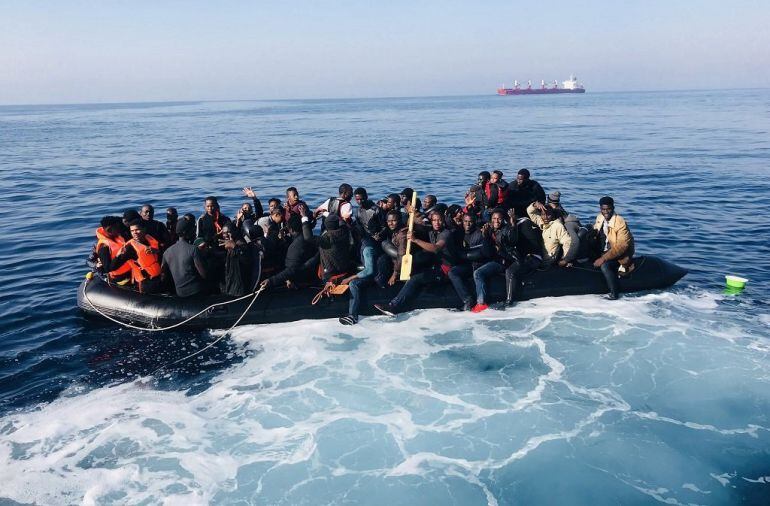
(610, 272)
(415, 282)
(457, 275)
(512, 281)
(383, 270)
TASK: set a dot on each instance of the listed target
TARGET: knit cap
(553, 198)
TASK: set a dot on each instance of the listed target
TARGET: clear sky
(109, 51)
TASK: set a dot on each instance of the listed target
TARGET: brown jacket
(399, 241)
(619, 238)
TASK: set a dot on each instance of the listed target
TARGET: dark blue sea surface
(658, 397)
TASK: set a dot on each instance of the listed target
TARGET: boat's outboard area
(96, 296)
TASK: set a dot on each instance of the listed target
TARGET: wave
(432, 407)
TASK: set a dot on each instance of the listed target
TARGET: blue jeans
(368, 257)
(480, 277)
(457, 276)
(356, 287)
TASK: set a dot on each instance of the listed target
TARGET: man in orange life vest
(108, 245)
(144, 252)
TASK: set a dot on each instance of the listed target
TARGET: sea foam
(431, 407)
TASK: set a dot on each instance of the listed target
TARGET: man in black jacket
(211, 222)
(184, 264)
(475, 251)
(334, 247)
(525, 192)
(504, 238)
(300, 256)
(155, 228)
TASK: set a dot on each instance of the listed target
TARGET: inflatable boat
(98, 298)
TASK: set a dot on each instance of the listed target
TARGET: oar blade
(406, 267)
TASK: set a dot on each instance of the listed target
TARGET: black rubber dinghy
(284, 305)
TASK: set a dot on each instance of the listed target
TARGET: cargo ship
(571, 85)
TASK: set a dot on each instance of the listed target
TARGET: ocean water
(660, 397)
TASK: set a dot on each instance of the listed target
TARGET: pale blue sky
(107, 51)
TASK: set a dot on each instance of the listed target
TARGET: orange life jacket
(115, 246)
(147, 264)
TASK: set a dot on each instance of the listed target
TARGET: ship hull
(537, 91)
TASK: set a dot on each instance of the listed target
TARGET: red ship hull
(536, 91)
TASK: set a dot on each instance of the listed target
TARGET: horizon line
(402, 97)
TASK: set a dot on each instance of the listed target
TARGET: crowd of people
(501, 229)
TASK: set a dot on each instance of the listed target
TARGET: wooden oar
(406, 261)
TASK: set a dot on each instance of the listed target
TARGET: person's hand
(599, 262)
(263, 284)
(249, 192)
(564, 263)
(290, 285)
(486, 230)
(392, 280)
(99, 264)
(347, 280)
(539, 205)
(512, 216)
(228, 244)
(409, 235)
(470, 198)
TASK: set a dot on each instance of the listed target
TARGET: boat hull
(283, 305)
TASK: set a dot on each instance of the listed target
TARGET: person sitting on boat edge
(300, 260)
(183, 262)
(144, 250)
(373, 267)
(476, 249)
(334, 248)
(368, 227)
(440, 244)
(237, 274)
(506, 259)
(109, 242)
(617, 245)
(557, 244)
